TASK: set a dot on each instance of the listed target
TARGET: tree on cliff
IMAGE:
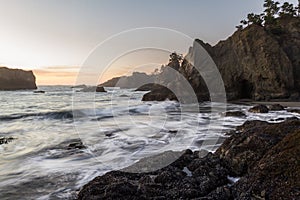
(175, 60)
(298, 8)
(288, 9)
(270, 12)
(255, 19)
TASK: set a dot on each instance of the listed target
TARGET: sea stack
(16, 79)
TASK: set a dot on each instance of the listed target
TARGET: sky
(55, 37)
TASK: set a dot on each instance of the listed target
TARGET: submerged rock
(39, 92)
(235, 114)
(265, 157)
(259, 109)
(93, 89)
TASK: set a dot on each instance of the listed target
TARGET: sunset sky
(54, 37)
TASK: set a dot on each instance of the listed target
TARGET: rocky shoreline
(259, 160)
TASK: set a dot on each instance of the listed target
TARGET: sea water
(116, 127)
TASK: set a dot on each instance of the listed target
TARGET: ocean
(64, 138)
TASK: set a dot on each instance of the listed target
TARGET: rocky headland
(256, 62)
(16, 79)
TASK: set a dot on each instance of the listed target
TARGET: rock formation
(255, 162)
(257, 62)
(16, 79)
(136, 80)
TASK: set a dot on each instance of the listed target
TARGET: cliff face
(16, 79)
(255, 63)
(259, 63)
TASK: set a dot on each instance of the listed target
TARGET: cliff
(255, 63)
(16, 79)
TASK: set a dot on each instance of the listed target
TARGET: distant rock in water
(39, 92)
(16, 79)
(136, 80)
(93, 89)
(79, 86)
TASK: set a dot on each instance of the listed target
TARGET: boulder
(16, 79)
(100, 89)
(276, 107)
(161, 94)
(259, 109)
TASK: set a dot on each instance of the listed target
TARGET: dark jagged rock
(235, 114)
(100, 89)
(265, 156)
(5, 140)
(16, 79)
(277, 174)
(276, 107)
(250, 143)
(259, 109)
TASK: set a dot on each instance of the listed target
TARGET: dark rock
(259, 109)
(5, 140)
(244, 149)
(160, 94)
(16, 79)
(276, 107)
(294, 110)
(277, 174)
(93, 89)
(100, 89)
(76, 145)
(39, 92)
(235, 114)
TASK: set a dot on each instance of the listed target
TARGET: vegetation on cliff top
(272, 11)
